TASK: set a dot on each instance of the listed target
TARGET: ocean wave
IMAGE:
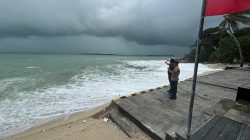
(8, 83)
(136, 67)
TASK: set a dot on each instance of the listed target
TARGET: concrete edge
(139, 93)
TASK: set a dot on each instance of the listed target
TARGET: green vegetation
(227, 43)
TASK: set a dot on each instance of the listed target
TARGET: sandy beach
(87, 125)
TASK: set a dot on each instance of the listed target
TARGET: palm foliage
(231, 23)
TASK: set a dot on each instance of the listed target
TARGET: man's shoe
(172, 97)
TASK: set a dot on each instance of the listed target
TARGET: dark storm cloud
(147, 22)
(39, 18)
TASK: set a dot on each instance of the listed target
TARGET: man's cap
(172, 60)
(175, 61)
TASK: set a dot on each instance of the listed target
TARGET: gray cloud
(149, 22)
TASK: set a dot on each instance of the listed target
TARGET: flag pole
(196, 69)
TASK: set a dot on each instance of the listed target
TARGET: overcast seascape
(59, 58)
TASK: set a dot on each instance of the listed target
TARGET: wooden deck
(161, 117)
(229, 79)
(222, 128)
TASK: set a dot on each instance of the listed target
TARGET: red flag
(221, 7)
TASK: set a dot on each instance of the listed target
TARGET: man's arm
(167, 62)
(175, 71)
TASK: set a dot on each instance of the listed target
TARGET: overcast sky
(100, 26)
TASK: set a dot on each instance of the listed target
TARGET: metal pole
(196, 69)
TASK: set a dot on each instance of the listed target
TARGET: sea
(35, 88)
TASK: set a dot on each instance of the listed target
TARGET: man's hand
(167, 62)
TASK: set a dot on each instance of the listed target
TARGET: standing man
(170, 68)
(174, 79)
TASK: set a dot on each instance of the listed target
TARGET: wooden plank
(154, 122)
(181, 134)
(244, 133)
(158, 106)
(122, 122)
(238, 115)
(230, 131)
(199, 120)
(216, 129)
(225, 78)
(221, 107)
(138, 119)
(180, 105)
(145, 114)
(211, 93)
(241, 132)
(202, 131)
(171, 131)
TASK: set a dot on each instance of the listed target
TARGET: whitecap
(30, 67)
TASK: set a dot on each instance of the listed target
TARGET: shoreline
(92, 115)
(90, 124)
(56, 118)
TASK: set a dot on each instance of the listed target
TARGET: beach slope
(87, 125)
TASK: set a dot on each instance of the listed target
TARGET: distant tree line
(227, 43)
(218, 46)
